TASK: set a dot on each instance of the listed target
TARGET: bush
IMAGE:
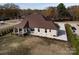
(72, 38)
(6, 31)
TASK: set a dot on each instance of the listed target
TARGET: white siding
(20, 32)
(43, 34)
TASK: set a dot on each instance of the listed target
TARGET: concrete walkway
(62, 33)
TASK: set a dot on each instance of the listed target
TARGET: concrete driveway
(62, 28)
(74, 24)
(62, 32)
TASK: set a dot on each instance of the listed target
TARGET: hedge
(72, 38)
(5, 30)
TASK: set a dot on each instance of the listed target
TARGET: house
(36, 24)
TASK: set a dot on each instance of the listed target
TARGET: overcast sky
(40, 5)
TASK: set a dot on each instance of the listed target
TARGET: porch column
(22, 31)
(18, 30)
(13, 31)
(57, 33)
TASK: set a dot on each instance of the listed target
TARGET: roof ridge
(37, 20)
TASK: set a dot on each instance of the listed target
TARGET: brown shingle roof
(36, 21)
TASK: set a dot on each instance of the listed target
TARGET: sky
(40, 5)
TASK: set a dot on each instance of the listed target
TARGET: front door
(28, 31)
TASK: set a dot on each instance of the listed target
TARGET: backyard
(12, 44)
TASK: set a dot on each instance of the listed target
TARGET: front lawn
(13, 44)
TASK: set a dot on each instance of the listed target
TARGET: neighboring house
(36, 24)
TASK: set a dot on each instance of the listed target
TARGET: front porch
(19, 31)
(22, 31)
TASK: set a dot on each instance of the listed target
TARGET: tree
(74, 11)
(36, 11)
(11, 6)
(1, 7)
(62, 12)
(10, 11)
(50, 12)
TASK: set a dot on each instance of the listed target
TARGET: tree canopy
(9, 11)
(62, 11)
(50, 11)
(11, 6)
(74, 11)
(12, 11)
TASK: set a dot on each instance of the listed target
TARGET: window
(32, 29)
(45, 30)
(16, 30)
(20, 29)
(38, 30)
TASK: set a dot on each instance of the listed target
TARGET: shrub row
(5, 30)
(72, 38)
